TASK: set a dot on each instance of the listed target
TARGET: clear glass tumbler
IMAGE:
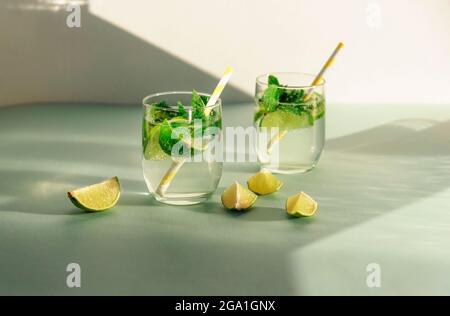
(290, 122)
(179, 142)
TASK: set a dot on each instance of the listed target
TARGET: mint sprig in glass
(290, 121)
(177, 125)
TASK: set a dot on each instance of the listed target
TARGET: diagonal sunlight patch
(202, 43)
(410, 244)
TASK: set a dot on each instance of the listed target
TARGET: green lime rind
(97, 197)
(152, 149)
(286, 120)
(81, 206)
(319, 111)
(145, 131)
(166, 141)
(290, 118)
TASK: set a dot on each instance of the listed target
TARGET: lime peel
(153, 150)
(285, 120)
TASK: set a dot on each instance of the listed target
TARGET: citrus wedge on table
(285, 120)
(301, 204)
(236, 197)
(96, 197)
(264, 183)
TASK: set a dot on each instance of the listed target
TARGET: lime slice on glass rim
(96, 197)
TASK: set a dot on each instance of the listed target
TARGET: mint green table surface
(383, 188)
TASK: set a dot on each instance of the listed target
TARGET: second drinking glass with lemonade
(290, 122)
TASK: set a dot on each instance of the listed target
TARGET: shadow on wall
(43, 60)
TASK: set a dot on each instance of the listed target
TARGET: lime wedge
(186, 134)
(96, 197)
(153, 150)
(236, 197)
(301, 204)
(166, 130)
(145, 131)
(285, 120)
(264, 183)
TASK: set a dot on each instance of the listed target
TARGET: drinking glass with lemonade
(177, 130)
(290, 122)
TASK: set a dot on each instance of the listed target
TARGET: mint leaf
(182, 110)
(198, 106)
(301, 93)
(161, 111)
(166, 133)
(292, 95)
(273, 80)
(270, 98)
(205, 99)
(258, 115)
(161, 104)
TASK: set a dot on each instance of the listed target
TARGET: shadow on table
(362, 175)
(390, 167)
(40, 192)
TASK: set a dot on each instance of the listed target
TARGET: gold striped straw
(218, 90)
(322, 71)
(279, 136)
(177, 164)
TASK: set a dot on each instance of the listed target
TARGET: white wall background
(396, 51)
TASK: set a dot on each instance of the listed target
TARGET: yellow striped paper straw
(322, 71)
(275, 139)
(169, 175)
(218, 90)
(279, 136)
(177, 164)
